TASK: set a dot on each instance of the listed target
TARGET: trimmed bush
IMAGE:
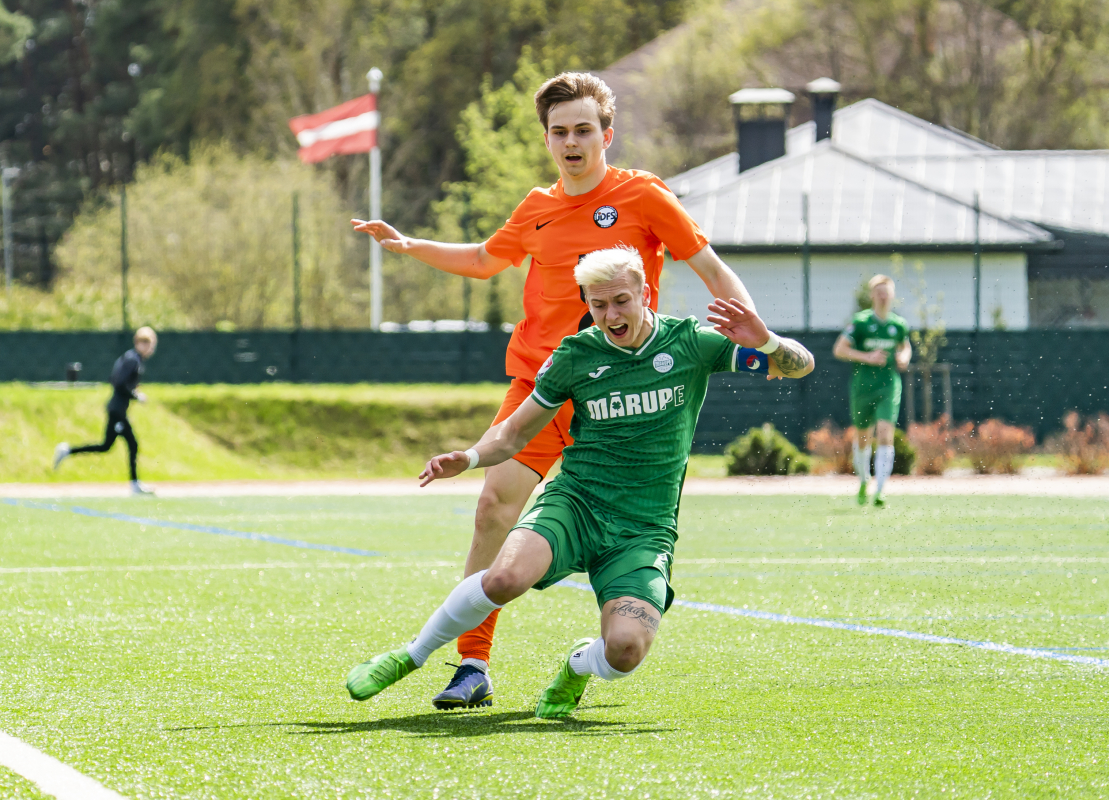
(904, 454)
(935, 444)
(764, 451)
(832, 446)
(994, 447)
(1083, 448)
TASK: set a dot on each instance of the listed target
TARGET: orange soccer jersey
(629, 207)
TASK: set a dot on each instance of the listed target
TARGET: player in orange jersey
(592, 207)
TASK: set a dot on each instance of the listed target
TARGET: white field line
(816, 622)
(383, 564)
(903, 560)
(1027, 485)
(379, 564)
(50, 775)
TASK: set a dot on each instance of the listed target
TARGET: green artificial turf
(176, 663)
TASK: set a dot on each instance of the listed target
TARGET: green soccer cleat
(563, 695)
(379, 673)
(879, 501)
(862, 494)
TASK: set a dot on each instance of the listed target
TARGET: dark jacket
(126, 375)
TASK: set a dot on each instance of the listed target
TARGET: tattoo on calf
(791, 357)
(640, 613)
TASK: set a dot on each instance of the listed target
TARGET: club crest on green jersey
(618, 404)
(663, 362)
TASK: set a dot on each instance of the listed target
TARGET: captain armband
(748, 359)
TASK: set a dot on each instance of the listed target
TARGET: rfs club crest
(605, 216)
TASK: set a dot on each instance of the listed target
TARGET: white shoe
(140, 488)
(61, 452)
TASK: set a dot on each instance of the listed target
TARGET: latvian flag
(349, 128)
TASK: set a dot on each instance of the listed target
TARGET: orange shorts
(541, 453)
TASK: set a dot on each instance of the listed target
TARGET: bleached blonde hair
(146, 334)
(878, 280)
(602, 266)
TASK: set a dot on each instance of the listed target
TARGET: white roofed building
(889, 192)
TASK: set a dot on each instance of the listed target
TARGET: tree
(1017, 73)
(504, 158)
(211, 245)
(15, 30)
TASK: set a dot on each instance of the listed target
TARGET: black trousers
(118, 425)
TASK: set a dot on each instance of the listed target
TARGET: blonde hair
(146, 334)
(878, 280)
(576, 86)
(602, 266)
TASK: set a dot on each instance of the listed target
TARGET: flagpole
(374, 77)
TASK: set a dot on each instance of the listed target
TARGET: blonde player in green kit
(637, 380)
(877, 342)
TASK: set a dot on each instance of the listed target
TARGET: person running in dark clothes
(126, 374)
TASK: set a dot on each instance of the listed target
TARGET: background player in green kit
(877, 341)
(637, 381)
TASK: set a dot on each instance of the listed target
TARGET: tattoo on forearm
(792, 357)
(645, 617)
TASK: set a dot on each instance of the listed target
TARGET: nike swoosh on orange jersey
(545, 224)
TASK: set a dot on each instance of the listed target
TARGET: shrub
(904, 454)
(210, 241)
(935, 444)
(1084, 449)
(993, 447)
(832, 446)
(764, 451)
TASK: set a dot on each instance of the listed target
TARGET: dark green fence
(266, 356)
(1027, 378)
(1024, 378)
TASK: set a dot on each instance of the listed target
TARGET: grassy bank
(245, 432)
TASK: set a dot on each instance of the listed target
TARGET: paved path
(1036, 485)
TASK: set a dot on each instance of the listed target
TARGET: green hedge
(764, 451)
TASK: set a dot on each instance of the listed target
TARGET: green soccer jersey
(866, 332)
(634, 413)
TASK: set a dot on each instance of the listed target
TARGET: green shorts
(624, 558)
(867, 407)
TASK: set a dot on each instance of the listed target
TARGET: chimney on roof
(824, 93)
(761, 119)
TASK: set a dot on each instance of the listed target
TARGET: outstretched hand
(387, 236)
(738, 322)
(445, 466)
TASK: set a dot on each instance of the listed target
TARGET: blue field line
(188, 526)
(1032, 652)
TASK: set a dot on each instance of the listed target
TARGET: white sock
(590, 660)
(475, 662)
(464, 609)
(883, 465)
(861, 457)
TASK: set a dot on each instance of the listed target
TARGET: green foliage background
(210, 244)
(91, 92)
